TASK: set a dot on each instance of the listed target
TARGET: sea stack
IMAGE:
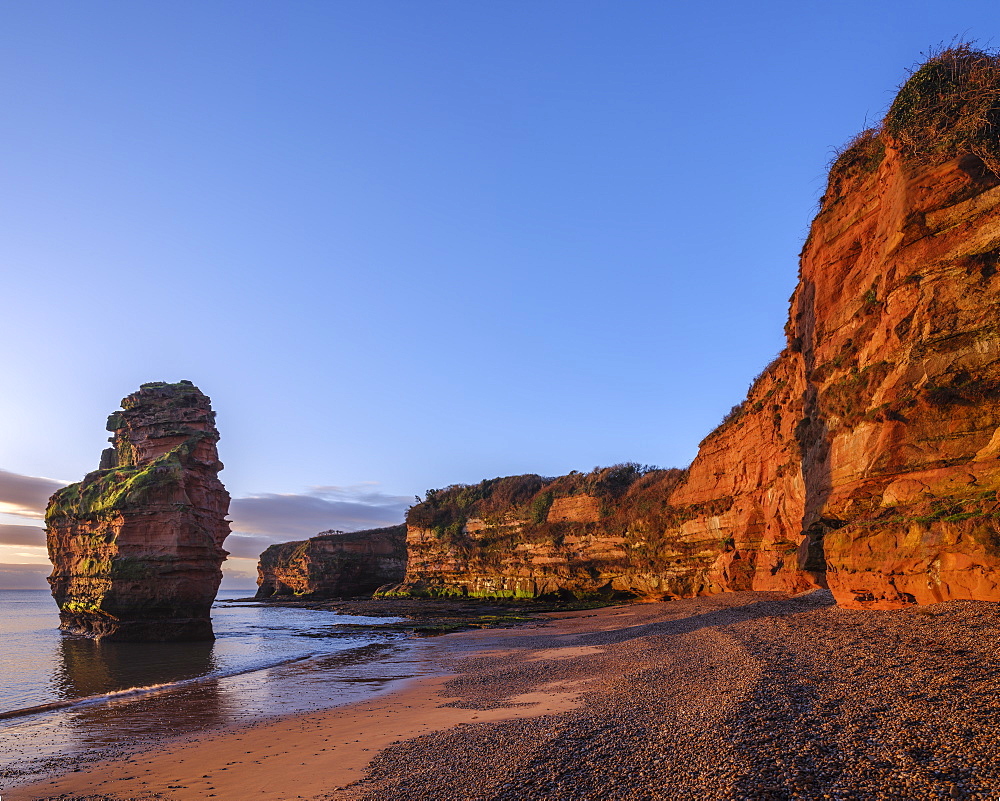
(136, 547)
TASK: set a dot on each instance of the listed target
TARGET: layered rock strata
(334, 564)
(866, 456)
(527, 536)
(136, 547)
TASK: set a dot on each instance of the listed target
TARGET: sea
(66, 699)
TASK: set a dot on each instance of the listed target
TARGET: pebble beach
(735, 696)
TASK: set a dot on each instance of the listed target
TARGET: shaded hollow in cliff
(136, 547)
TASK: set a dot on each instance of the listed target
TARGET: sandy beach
(735, 696)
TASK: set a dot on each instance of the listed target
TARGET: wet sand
(736, 696)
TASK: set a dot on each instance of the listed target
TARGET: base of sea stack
(192, 629)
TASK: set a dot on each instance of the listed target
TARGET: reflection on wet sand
(202, 686)
(92, 669)
(320, 682)
(185, 704)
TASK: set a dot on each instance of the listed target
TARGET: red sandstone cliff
(136, 547)
(897, 311)
(865, 456)
(584, 535)
(334, 564)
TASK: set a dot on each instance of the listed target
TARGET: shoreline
(733, 696)
(70, 699)
(436, 616)
(338, 743)
(220, 765)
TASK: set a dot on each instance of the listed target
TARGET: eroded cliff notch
(136, 547)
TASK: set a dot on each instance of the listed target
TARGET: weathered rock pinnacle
(136, 547)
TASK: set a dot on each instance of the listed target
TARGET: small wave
(152, 689)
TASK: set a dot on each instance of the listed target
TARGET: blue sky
(409, 244)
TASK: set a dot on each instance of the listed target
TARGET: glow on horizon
(34, 556)
(16, 512)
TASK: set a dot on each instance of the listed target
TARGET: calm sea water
(104, 698)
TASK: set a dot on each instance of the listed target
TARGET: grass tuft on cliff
(948, 107)
(861, 155)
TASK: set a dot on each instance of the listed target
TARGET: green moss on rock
(116, 489)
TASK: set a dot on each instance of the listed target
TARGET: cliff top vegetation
(949, 106)
(529, 498)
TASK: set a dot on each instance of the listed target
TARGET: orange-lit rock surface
(864, 457)
(584, 535)
(898, 313)
(334, 564)
(136, 547)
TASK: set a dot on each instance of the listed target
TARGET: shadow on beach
(726, 616)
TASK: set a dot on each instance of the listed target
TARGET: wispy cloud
(258, 520)
(26, 496)
(12, 534)
(290, 516)
(244, 546)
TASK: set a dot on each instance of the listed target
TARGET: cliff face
(136, 547)
(585, 535)
(864, 457)
(334, 564)
(897, 311)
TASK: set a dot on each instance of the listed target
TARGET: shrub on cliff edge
(948, 106)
